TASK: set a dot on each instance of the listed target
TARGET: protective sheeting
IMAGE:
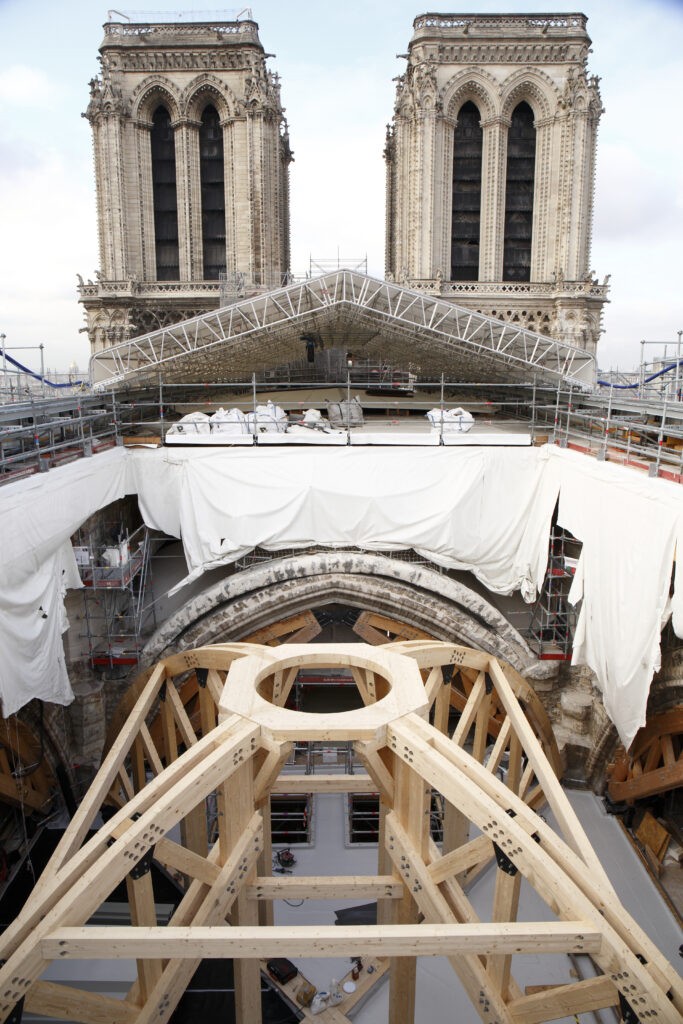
(486, 510)
(482, 510)
(628, 525)
(37, 517)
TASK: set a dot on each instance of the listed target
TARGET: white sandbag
(267, 417)
(229, 421)
(458, 420)
(193, 423)
(346, 414)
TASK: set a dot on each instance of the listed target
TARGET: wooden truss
(229, 749)
(654, 763)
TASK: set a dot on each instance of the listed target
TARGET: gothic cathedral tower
(191, 164)
(491, 167)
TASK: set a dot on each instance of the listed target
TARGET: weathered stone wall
(183, 67)
(496, 62)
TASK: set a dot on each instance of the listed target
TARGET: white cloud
(634, 200)
(48, 219)
(21, 85)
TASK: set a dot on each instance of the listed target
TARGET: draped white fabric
(628, 525)
(37, 517)
(484, 510)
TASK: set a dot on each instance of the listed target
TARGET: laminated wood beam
(324, 784)
(565, 1000)
(468, 966)
(211, 909)
(245, 943)
(49, 999)
(325, 887)
(86, 889)
(560, 891)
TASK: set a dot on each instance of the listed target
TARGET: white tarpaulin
(485, 510)
(37, 517)
(628, 525)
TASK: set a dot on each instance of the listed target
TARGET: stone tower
(191, 163)
(491, 167)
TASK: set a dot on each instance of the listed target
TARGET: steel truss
(429, 330)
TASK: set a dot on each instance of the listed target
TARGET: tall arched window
(519, 195)
(213, 193)
(466, 222)
(165, 197)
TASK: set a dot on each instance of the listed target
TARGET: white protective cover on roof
(485, 510)
(37, 564)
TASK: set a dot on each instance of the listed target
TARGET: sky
(337, 62)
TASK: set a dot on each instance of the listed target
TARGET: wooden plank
(17, 793)
(377, 770)
(564, 814)
(244, 943)
(650, 784)
(565, 1000)
(179, 858)
(64, 1002)
(324, 784)
(469, 712)
(151, 752)
(325, 887)
(505, 908)
(269, 771)
(78, 827)
(179, 713)
(461, 859)
(411, 803)
(143, 913)
(236, 806)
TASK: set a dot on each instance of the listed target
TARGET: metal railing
(38, 433)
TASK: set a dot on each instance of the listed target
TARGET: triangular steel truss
(224, 736)
(265, 330)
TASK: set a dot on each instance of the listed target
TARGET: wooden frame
(492, 772)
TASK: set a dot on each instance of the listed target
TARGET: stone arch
(205, 89)
(240, 604)
(472, 84)
(151, 93)
(533, 87)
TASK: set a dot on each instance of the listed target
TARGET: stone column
(188, 190)
(494, 156)
(145, 201)
(111, 194)
(542, 256)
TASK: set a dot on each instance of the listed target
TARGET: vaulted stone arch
(473, 84)
(533, 87)
(415, 594)
(208, 88)
(153, 92)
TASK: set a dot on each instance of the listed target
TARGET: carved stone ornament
(106, 99)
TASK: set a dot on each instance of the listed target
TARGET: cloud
(46, 216)
(634, 201)
(24, 86)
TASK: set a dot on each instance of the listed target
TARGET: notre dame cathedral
(490, 161)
